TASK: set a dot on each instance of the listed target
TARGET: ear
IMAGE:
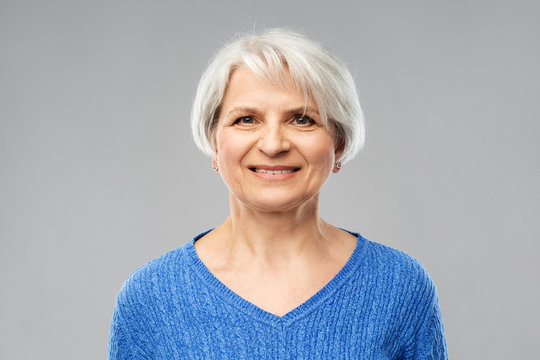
(339, 145)
(213, 141)
(337, 156)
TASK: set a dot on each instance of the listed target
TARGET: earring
(215, 168)
(338, 165)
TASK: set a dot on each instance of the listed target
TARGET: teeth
(273, 172)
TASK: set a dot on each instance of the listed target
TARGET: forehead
(245, 86)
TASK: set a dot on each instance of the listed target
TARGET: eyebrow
(297, 110)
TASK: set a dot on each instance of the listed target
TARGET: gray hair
(319, 75)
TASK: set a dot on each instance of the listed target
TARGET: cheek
(222, 144)
(322, 153)
(230, 149)
(225, 154)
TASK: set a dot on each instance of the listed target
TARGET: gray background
(99, 173)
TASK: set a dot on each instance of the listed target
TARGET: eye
(245, 120)
(303, 120)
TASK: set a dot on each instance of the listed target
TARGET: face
(272, 152)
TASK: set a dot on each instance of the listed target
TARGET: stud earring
(215, 168)
(338, 165)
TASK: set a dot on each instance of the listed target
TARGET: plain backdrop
(99, 173)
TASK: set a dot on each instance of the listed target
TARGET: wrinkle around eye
(247, 121)
(309, 124)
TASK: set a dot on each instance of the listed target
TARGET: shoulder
(415, 300)
(143, 302)
(156, 277)
(388, 273)
(400, 280)
(401, 266)
(159, 266)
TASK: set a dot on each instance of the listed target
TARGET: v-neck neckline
(262, 315)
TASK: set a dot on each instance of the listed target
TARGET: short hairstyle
(319, 75)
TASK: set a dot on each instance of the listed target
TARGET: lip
(273, 168)
(267, 173)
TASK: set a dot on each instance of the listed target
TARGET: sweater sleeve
(429, 341)
(128, 336)
(119, 341)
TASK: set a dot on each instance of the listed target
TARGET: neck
(258, 243)
(275, 236)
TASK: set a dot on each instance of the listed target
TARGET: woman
(277, 114)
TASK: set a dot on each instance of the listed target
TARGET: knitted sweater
(381, 305)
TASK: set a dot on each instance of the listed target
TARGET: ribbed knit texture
(381, 305)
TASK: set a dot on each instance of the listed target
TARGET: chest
(227, 333)
(280, 291)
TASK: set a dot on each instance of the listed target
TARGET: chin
(275, 203)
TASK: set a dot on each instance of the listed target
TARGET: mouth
(274, 170)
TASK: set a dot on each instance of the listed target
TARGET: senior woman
(277, 114)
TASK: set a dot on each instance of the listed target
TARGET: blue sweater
(381, 305)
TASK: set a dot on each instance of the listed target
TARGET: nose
(273, 140)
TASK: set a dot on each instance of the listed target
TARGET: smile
(273, 172)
